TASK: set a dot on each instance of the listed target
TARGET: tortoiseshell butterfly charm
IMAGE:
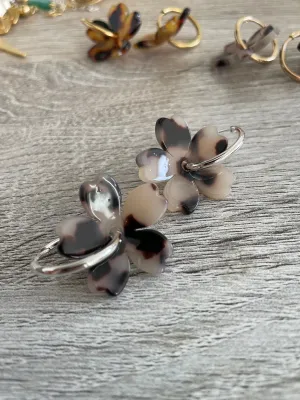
(190, 165)
(113, 237)
(113, 38)
(168, 30)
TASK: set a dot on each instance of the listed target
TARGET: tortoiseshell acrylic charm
(113, 38)
(190, 166)
(106, 240)
(167, 31)
(241, 49)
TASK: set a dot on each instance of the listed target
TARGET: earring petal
(97, 52)
(111, 276)
(206, 144)
(101, 198)
(131, 26)
(80, 236)
(148, 250)
(215, 183)
(147, 42)
(155, 165)
(98, 36)
(117, 16)
(143, 207)
(172, 27)
(173, 135)
(182, 195)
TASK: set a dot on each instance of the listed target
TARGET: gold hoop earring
(240, 49)
(283, 63)
(168, 30)
(254, 56)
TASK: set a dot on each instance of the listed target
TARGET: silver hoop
(78, 265)
(220, 157)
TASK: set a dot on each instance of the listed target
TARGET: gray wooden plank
(222, 321)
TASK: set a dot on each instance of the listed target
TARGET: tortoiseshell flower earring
(241, 50)
(112, 40)
(192, 166)
(168, 30)
(103, 242)
(283, 62)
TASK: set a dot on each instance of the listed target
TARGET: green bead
(44, 5)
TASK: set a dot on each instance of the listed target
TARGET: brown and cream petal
(182, 195)
(172, 27)
(131, 26)
(98, 36)
(148, 250)
(173, 135)
(168, 30)
(97, 52)
(147, 42)
(206, 144)
(110, 277)
(182, 18)
(102, 200)
(215, 182)
(80, 236)
(143, 207)
(117, 16)
(156, 165)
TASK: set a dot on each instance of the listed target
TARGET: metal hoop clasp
(220, 157)
(254, 56)
(283, 63)
(181, 44)
(78, 265)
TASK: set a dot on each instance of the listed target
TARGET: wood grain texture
(223, 321)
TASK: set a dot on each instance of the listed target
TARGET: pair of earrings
(241, 50)
(113, 38)
(104, 242)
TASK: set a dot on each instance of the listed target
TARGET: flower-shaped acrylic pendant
(81, 236)
(112, 39)
(177, 151)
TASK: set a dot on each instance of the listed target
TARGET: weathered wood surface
(223, 321)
